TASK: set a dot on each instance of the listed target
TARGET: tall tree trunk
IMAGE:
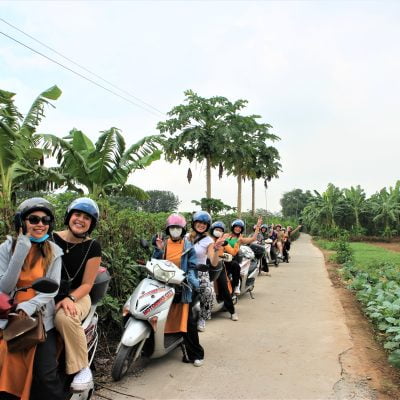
(208, 178)
(253, 197)
(239, 195)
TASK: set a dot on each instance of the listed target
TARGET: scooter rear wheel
(123, 361)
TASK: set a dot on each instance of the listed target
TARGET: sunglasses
(35, 219)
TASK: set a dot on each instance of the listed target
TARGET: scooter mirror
(45, 285)
(144, 243)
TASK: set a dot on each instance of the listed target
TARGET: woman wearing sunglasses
(80, 264)
(23, 260)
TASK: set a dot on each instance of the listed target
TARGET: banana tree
(105, 166)
(21, 158)
(386, 207)
(355, 199)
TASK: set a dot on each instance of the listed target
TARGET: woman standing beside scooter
(205, 248)
(177, 249)
(80, 264)
(22, 261)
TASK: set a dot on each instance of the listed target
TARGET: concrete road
(286, 344)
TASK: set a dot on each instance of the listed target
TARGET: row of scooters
(146, 311)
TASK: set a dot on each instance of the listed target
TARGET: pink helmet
(176, 220)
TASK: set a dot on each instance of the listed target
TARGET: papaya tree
(199, 131)
(244, 151)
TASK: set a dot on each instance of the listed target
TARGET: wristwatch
(73, 298)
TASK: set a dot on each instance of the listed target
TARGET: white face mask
(175, 233)
(217, 233)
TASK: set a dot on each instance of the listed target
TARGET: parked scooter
(248, 271)
(268, 250)
(146, 313)
(217, 302)
(89, 324)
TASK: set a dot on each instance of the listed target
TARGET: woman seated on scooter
(179, 250)
(261, 237)
(235, 239)
(205, 248)
(224, 287)
(23, 260)
(80, 264)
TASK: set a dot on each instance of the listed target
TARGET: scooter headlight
(162, 274)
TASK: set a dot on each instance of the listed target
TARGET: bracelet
(73, 298)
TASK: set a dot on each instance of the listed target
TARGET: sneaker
(237, 290)
(198, 363)
(234, 317)
(83, 380)
(201, 325)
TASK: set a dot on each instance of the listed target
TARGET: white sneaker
(83, 380)
(198, 363)
(234, 317)
(201, 325)
(237, 290)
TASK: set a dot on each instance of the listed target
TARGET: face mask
(217, 233)
(175, 233)
(39, 240)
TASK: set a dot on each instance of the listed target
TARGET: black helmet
(202, 216)
(86, 205)
(237, 222)
(29, 206)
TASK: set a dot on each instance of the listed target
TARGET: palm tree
(200, 130)
(21, 158)
(102, 167)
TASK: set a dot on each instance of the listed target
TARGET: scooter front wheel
(123, 361)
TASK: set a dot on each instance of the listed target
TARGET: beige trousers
(70, 328)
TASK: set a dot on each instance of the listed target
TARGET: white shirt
(201, 249)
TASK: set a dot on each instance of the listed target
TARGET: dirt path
(291, 342)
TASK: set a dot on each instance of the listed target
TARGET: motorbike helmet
(86, 205)
(217, 224)
(265, 226)
(176, 220)
(202, 216)
(237, 222)
(30, 205)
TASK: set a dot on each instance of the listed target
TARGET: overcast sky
(324, 74)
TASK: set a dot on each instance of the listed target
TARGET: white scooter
(89, 324)
(248, 271)
(268, 245)
(146, 313)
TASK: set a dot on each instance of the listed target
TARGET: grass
(367, 254)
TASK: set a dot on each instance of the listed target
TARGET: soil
(393, 246)
(366, 358)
